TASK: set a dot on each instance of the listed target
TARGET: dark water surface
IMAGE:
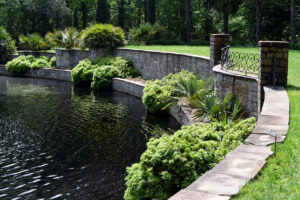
(57, 142)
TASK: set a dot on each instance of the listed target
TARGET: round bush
(40, 63)
(172, 162)
(20, 64)
(103, 36)
(82, 74)
(103, 77)
(7, 45)
(52, 62)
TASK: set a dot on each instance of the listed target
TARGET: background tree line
(189, 21)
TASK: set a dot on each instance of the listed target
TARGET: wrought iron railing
(247, 63)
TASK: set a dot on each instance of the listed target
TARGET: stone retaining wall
(156, 64)
(36, 53)
(246, 88)
(55, 74)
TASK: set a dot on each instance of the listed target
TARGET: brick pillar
(271, 53)
(217, 41)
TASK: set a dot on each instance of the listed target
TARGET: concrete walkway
(243, 164)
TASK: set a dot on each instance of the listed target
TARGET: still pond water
(58, 142)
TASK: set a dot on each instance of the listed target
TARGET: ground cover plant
(23, 64)
(99, 73)
(280, 178)
(7, 45)
(172, 162)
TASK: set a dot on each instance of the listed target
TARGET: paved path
(243, 164)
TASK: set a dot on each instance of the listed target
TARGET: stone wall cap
(218, 69)
(220, 34)
(273, 44)
(166, 52)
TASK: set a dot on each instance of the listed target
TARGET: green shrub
(53, 39)
(33, 42)
(147, 33)
(103, 36)
(103, 75)
(82, 74)
(157, 93)
(40, 63)
(68, 38)
(125, 66)
(23, 64)
(20, 64)
(7, 45)
(171, 163)
(52, 62)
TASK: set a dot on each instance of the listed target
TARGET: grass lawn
(280, 179)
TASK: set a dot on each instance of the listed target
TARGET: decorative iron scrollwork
(247, 63)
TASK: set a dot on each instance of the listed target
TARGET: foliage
(147, 33)
(22, 64)
(52, 62)
(83, 73)
(103, 75)
(157, 93)
(211, 108)
(33, 42)
(125, 66)
(7, 45)
(172, 162)
(103, 36)
(39, 63)
(68, 38)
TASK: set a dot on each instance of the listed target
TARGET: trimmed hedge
(23, 64)
(172, 162)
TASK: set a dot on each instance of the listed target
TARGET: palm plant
(32, 42)
(211, 108)
(70, 38)
(187, 88)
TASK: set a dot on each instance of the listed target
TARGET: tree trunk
(75, 19)
(146, 10)
(188, 22)
(225, 21)
(293, 20)
(140, 6)
(258, 19)
(121, 13)
(208, 19)
(84, 14)
(151, 11)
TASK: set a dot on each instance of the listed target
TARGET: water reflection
(57, 142)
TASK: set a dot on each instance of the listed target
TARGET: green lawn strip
(280, 179)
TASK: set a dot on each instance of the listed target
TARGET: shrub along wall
(244, 87)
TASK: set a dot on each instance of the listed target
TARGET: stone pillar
(217, 41)
(273, 56)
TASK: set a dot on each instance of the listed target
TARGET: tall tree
(121, 14)
(102, 11)
(75, 18)
(208, 5)
(188, 21)
(84, 14)
(293, 21)
(258, 19)
(151, 11)
(227, 7)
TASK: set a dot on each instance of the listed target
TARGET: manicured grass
(280, 179)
